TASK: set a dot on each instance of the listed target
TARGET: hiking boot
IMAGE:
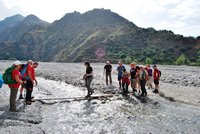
(123, 93)
(134, 90)
(28, 102)
(142, 95)
(32, 101)
(87, 96)
(21, 97)
(155, 91)
(91, 92)
(145, 94)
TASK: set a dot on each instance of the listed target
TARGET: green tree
(198, 58)
(148, 61)
(181, 60)
(127, 60)
(136, 61)
(122, 56)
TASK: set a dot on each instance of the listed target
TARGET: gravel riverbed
(177, 110)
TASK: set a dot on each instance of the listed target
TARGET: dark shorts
(156, 82)
(119, 78)
(29, 89)
(23, 85)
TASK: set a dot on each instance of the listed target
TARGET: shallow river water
(113, 115)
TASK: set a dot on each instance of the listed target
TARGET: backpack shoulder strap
(24, 70)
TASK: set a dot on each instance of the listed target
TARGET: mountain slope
(10, 21)
(96, 35)
(29, 24)
(75, 31)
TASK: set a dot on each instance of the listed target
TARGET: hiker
(30, 79)
(150, 76)
(133, 73)
(120, 69)
(108, 70)
(88, 78)
(14, 87)
(125, 81)
(143, 76)
(137, 79)
(23, 71)
(156, 77)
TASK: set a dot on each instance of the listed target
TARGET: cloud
(5, 11)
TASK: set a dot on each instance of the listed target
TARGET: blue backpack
(1, 80)
(23, 70)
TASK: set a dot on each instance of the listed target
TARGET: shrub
(181, 60)
(148, 61)
(127, 60)
(122, 56)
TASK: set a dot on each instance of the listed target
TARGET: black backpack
(133, 72)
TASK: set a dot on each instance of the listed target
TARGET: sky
(180, 16)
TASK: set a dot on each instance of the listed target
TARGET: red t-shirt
(125, 78)
(33, 73)
(32, 70)
(156, 74)
(14, 73)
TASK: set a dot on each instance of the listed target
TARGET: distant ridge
(10, 21)
(30, 23)
(95, 35)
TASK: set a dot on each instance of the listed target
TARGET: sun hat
(133, 63)
(141, 66)
(108, 62)
(29, 61)
(16, 63)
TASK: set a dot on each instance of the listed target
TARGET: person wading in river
(108, 70)
(88, 78)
